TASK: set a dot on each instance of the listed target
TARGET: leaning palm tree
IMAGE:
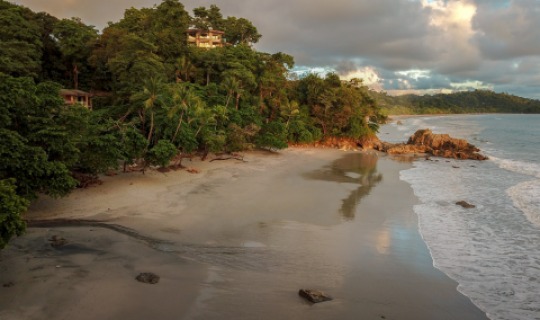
(289, 110)
(183, 99)
(150, 97)
(232, 86)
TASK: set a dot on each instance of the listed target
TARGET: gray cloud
(346, 67)
(498, 46)
(509, 30)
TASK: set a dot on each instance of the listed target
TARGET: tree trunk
(237, 100)
(151, 127)
(75, 77)
(228, 99)
(261, 98)
(178, 127)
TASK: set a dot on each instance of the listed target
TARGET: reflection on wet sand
(357, 168)
(238, 250)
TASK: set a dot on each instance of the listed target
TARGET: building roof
(214, 31)
(74, 92)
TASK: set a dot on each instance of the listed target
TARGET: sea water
(492, 250)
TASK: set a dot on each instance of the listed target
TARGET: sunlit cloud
(369, 76)
(415, 74)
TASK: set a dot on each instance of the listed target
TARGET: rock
(57, 241)
(314, 296)
(342, 143)
(345, 143)
(369, 142)
(193, 170)
(8, 285)
(441, 145)
(465, 204)
(147, 277)
(404, 149)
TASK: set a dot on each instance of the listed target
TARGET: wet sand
(235, 242)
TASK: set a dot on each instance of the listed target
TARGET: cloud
(452, 24)
(509, 30)
(369, 76)
(455, 43)
(97, 12)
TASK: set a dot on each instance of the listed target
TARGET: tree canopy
(155, 96)
(477, 101)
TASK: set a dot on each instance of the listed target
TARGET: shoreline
(241, 234)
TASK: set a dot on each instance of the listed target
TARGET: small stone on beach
(193, 170)
(465, 204)
(57, 241)
(147, 277)
(314, 296)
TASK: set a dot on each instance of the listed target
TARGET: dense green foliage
(155, 97)
(477, 101)
(11, 206)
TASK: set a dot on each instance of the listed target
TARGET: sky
(400, 46)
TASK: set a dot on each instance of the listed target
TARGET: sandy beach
(235, 241)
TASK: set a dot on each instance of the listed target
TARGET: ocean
(492, 250)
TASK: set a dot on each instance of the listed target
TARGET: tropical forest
(156, 96)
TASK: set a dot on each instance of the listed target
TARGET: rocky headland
(424, 141)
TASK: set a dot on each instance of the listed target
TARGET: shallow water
(493, 250)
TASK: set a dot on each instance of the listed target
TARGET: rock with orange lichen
(441, 145)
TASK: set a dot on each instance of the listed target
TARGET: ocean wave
(527, 168)
(526, 197)
(490, 250)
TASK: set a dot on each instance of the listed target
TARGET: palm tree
(232, 86)
(150, 97)
(289, 110)
(183, 99)
(184, 67)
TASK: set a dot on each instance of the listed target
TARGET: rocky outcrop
(440, 145)
(369, 142)
(345, 143)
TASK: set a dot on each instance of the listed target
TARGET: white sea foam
(492, 250)
(527, 168)
(526, 196)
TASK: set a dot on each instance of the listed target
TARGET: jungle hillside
(157, 97)
(154, 97)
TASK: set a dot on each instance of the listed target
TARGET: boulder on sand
(314, 296)
(147, 277)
